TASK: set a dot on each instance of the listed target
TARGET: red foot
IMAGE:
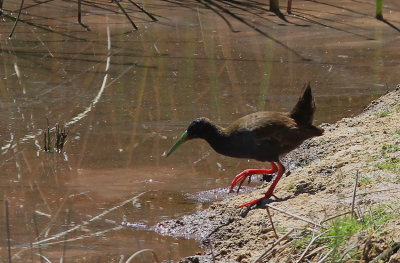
(270, 191)
(248, 173)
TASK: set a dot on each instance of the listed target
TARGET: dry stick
(315, 251)
(126, 14)
(144, 11)
(295, 216)
(280, 249)
(332, 217)
(384, 254)
(326, 256)
(354, 195)
(16, 21)
(273, 245)
(347, 251)
(309, 245)
(211, 249)
(272, 223)
(8, 232)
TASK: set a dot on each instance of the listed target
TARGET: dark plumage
(263, 136)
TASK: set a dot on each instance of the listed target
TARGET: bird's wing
(270, 126)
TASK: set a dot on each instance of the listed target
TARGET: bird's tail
(303, 111)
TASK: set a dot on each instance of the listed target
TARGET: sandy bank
(320, 186)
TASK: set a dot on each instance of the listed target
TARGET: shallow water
(125, 96)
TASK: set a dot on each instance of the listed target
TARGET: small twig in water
(80, 16)
(16, 21)
(144, 11)
(37, 236)
(99, 216)
(126, 14)
(66, 236)
(142, 251)
(8, 232)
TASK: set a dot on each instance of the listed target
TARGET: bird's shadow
(262, 204)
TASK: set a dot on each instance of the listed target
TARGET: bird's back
(267, 135)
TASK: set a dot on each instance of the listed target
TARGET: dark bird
(263, 136)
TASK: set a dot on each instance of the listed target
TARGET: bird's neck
(217, 137)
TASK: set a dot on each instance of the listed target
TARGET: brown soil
(320, 186)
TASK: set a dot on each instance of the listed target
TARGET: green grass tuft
(391, 165)
(343, 229)
(382, 114)
(364, 181)
(390, 148)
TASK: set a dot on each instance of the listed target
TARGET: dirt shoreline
(320, 186)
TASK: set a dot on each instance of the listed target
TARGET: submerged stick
(126, 14)
(144, 11)
(16, 21)
(48, 136)
(37, 237)
(66, 236)
(142, 251)
(45, 142)
(80, 16)
(289, 6)
(85, 223)
(8, 232)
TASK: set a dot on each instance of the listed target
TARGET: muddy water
(126, 95)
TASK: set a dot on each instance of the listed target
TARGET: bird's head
(196, 129)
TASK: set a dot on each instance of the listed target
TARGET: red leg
(248, 173)
(269, 193)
